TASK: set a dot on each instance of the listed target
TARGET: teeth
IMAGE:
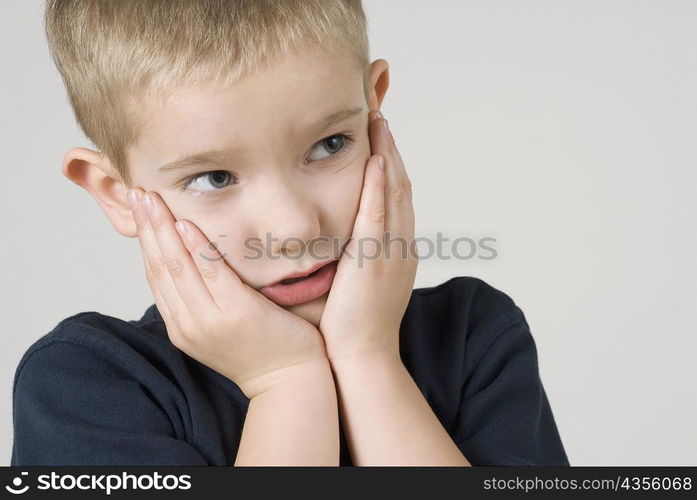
(293, 280)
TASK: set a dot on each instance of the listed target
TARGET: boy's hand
(214, 317)
(371, 289)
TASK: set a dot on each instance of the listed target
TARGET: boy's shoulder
(117, 391)
(469, 347)
(466, 300)
(107, 341)
(467, 285)
(460, 319)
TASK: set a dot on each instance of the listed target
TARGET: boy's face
(285, 175)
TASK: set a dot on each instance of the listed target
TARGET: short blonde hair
(111, 54)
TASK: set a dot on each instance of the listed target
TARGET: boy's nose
(288, 223)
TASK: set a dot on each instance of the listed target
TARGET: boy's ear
(379, 81)
(93, 172)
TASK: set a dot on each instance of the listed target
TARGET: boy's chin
(310, 311)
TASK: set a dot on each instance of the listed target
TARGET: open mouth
(293, 280)
(293, 291)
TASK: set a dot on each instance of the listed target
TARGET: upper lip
(300, 274)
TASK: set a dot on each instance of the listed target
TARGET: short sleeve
(72, 407)
(504, 416)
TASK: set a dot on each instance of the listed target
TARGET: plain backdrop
(564, 129)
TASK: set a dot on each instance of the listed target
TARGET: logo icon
(17, 482)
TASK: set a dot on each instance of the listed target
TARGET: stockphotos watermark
(103, 482)
(368, 248)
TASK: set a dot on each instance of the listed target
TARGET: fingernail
(132, 198)
(378, 114)
(181, 227)
(381, 162)
(148, 202)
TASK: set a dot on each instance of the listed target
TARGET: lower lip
(303, 290)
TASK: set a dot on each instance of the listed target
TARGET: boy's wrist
(366, 360)
(305, 376)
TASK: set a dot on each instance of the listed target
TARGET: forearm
(295, 423)
(387, 421)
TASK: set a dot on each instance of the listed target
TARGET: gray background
(564, 129)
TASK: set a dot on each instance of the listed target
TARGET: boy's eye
(219, 179)
(333, 143)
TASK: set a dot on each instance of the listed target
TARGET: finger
(402, 206)
(369, 227)
(156, 272)
(401, 175)
(385, 143)
(178, 261)
(138, 218)
(222, 281)
(159, 300)
(398, 209)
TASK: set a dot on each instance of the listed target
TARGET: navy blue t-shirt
(98, 390)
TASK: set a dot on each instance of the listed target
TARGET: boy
(256, 351)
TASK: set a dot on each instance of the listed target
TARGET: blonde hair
(111, 54)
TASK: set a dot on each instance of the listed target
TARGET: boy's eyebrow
(219, 156)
